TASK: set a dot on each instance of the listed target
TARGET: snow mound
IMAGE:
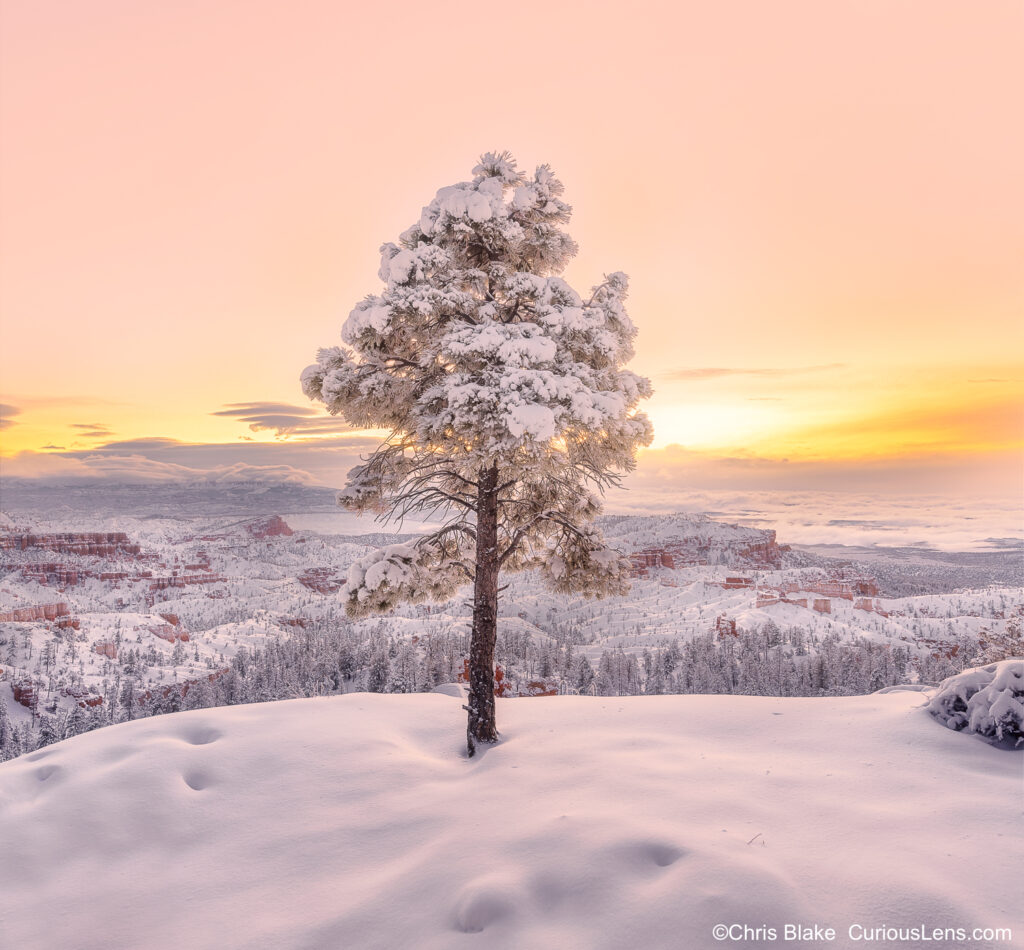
(356, 822)
(988, 701)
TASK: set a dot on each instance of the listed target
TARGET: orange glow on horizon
(819, 207)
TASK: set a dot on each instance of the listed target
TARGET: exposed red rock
(60, 575)
(865, 586)
(26, 693)
(37, 612)
(765, 554)
(643, 561)
(96, 543)
(725, 627)
(502, 687)
(538, 688)
(181, 688)
(836, 586)
(175, 622)
(866, 603)
(652, 557)
(320, 580)
(105, 648)
(273, 527)
(738, 583)
(940, 649)
(185, 580)
(82, 695)
(707, 543)
(166, 632)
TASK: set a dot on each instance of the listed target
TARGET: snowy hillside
(355, 822)
(125, 616)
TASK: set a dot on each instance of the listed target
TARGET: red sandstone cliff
(37, 612)
(97, 543)
(273, 527)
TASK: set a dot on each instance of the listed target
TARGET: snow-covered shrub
(988, 700)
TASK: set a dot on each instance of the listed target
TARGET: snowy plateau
(612, 814)
(606, 823)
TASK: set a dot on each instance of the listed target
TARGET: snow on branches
(395, 574)
(480, 359)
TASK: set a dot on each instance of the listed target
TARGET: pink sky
(819, 204)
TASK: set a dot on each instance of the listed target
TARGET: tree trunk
(482, 726)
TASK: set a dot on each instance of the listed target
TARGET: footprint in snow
(197, 781)
(200, 735)
(651, 854)
(46, 772)
(480, 907)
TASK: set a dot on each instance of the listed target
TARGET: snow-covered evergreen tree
(379, 670)
(10, 744)
(507, 403)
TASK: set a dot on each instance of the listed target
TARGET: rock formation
(273, 527)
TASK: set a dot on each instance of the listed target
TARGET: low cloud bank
(138, 470)
(946, 504)
(938, 521)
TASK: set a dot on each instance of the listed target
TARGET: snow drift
(356, 822)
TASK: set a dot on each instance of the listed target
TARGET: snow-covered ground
(357, 822)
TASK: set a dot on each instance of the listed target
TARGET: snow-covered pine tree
(10, 745)
(507, 402)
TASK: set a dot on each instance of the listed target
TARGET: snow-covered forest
(221, 610)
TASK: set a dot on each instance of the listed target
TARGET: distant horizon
(326, 460)
(929, 522)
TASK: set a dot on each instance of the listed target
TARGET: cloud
(674, 478)
(717, 372)
(148, 444)
(284, 419)
(842, 502)
(252, 408)
(6, 411)
(92, 430)
(139, 470)
(163, 447)
(911, 518)
(672, 472)
(158, 459)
